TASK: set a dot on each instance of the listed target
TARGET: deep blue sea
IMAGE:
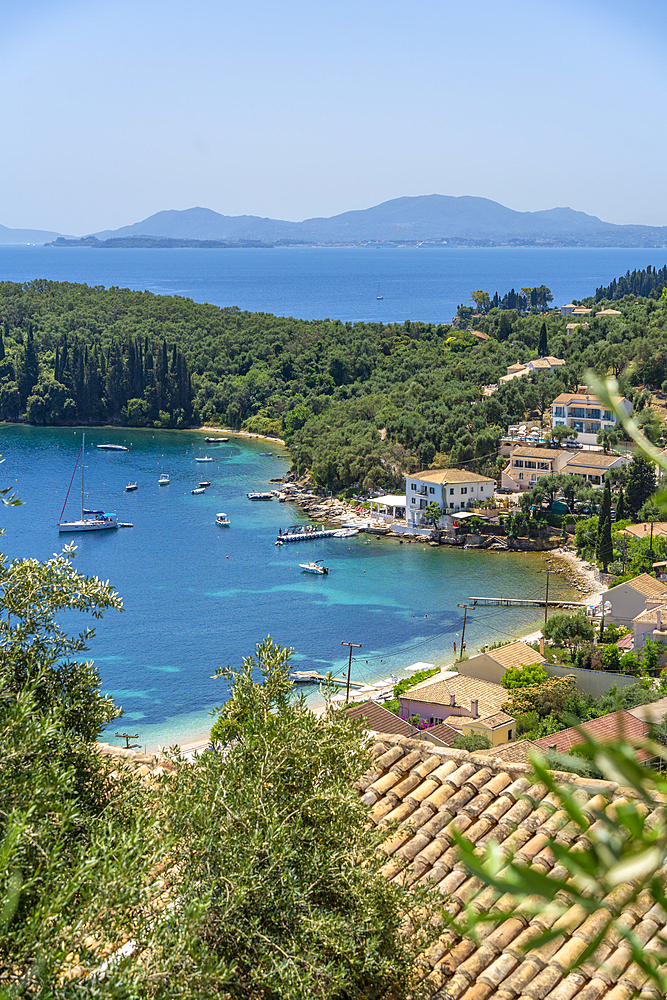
(334, 282)
(198, 597)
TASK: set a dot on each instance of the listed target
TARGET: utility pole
(352, 645)
(463, 634)
(546, 599)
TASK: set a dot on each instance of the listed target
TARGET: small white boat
(259, 496)
(314, 567)
(204, 483)
(222, 520)
(163, 480)
(200, 489)
(216, 440)
(112, 447)
(346, 532)
(130, 487)
(204, 459)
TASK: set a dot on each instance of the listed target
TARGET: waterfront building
(527, 465)
(585, 413)
(449, 695)
(451, 489)
(593, 466)
(491, 664)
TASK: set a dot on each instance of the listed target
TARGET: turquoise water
(335, 282)
(198, 597)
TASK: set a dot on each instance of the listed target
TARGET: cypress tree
(2, 347)
(605, 514)
(641, 484)
(620, 507)
(542, 347)
(606, 547)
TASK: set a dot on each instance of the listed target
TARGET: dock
(306, 536)
(524, 602)
(313, 677)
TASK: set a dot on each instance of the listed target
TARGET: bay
(198, 597)
(333, 282)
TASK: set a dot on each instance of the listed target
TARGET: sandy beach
(244, 434)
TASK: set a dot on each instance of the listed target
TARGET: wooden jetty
(313, 677)
(524, 602)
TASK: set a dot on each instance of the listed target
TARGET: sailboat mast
(83, 465)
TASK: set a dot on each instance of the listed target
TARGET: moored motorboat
(206, 458)
(346, 532)
(314, 567)
(112, 447)
(222, 520)
(204, 483)
(130, 487)
(200, 489)
(259, 496)
(216, 440)
(163, 480)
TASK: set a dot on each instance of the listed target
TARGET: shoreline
(226, 430)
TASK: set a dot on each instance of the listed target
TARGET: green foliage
(641, 484)
(517, 677)
(471, 742)
(276, 867)
(433, 513)
(546, 698)
(569, 630)
(409, 682)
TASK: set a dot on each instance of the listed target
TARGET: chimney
(474, 708)
(541, 645)
(452, 700)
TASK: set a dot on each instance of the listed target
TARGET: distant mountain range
(464, 221)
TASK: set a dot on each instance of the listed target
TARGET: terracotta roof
(578, 397)
(614, 726)
(643, 530)
(541, 363)
(430, 792)
(518, 367)
(592, 460)
(609, 312)
(493, 721)
(447, 734)
(554, 361)
(512, 753)
(490, 697)
(379, 719)
(479, 334)
(647, 585)
(650, 616)
(525, 451)
(451, 476)
(515, 654)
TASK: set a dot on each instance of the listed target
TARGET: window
(451, 504)
(607, 415)
(521, 475)
(431, 489)
(451, 492)
(533, 477)
(413, 501)
(577, 411)
(464, 490)
(593, 414)
(559, 411)
(543, 465)
(531, 465)
(414, 486)
(481, 489)
(517, 463)
(509, 735)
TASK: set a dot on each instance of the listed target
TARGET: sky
(294, 109)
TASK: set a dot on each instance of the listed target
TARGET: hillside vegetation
(357, 403)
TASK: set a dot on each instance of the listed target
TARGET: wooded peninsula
(355, 402)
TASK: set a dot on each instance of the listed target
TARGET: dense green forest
(356, 402)
(648, 283)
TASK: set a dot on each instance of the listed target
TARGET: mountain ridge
(464, 220)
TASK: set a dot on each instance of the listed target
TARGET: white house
(527, 465)
(585, 413)
(451, 489)
(628, 599)
(548, 364)
(593, 466)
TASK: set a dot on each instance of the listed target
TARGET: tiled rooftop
(591, 460)
(431, 792)
(493, 721)
(379, 720)
(515, 654)
(451, 476)
(616, 725)
(490, 697)
(647, 585)
(511, 753)
(547, 454)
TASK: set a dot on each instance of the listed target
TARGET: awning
(389, 500)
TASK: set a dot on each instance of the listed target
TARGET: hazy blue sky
(297, 108)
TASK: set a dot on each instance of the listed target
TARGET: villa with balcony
(586, 414)
(452, 489)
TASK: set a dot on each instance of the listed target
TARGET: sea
(198, 597)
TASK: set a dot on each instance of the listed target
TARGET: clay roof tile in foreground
(489, 796)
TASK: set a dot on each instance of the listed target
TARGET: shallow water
(198, 597)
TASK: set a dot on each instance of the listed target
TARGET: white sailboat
(91, 520)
